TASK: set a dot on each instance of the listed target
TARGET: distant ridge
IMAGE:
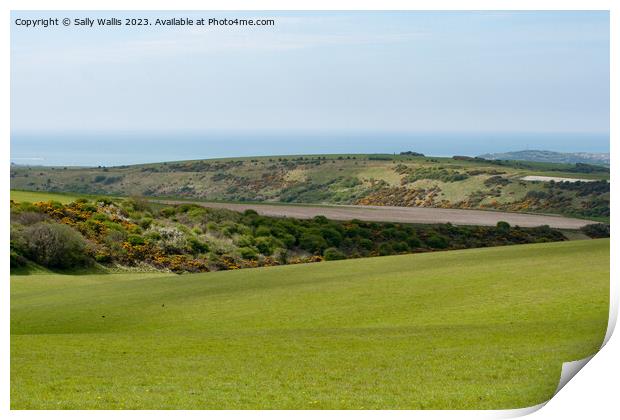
(551, 157)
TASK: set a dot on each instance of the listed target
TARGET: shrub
(99, 217)
(503, 227)
(322, 220)
(414, 242)
(266, 245)
(248, 253)
(385, 249)
(312, 242)
(135, 240)
(244, 241)
(168, 211)
(29, 217)
(400, 246)
(287, 239)
(437, 241)
(114, 226)
(17, 260)
(262, 231)
(365, 244)
(197, 246)
(596, 230)
(496, 180)
(197, 212)
(152, 236)
(54, 245)
(331, 254)
(103, 256)
(146, 222)
(331, 235)
(104, 200)
(392, 233)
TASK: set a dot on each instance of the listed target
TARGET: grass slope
(480, 328)
(35, 196)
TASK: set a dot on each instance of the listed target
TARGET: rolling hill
(382, 180)
(481, 328)
(551, 157)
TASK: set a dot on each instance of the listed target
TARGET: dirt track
(401, 214)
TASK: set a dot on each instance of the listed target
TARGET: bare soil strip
(554, 178)
(425, 215)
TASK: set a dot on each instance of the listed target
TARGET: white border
(592, 393)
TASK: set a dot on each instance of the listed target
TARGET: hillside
(384, 180)
(551, 157)
(485, 328)
(186, 237)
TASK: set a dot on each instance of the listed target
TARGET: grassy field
(481, 328)
(35, 196)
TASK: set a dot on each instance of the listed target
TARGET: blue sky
(319, 71)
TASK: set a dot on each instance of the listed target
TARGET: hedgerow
(191, 238)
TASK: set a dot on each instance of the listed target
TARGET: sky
(327, 72)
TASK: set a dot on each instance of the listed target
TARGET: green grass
(35, 196)
(480, 328)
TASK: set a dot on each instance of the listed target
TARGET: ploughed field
(478, 328)
(368, 213)
(423, 215)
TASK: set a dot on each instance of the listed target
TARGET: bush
(312, 242)
(385, 249)
(103, 256)
(248, 253)
(266, 244)
(54, 245)
(321, 220)
(393, 234)
(437, 241)
(17, 260)
(104, 200)
(244, 241)
(331, 254)
(331, 235)
(168, 211)
(287, 239)
(414, 242)
(100, 217)
(400, 247)
(29, 217)
(596, 230)
(146, 222)
(135, 240)
(366, 244)
(196, 246)
(503, 227)
(262, 231)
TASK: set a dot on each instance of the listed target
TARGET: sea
(125, 148)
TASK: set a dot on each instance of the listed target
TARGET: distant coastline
(111, 149)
